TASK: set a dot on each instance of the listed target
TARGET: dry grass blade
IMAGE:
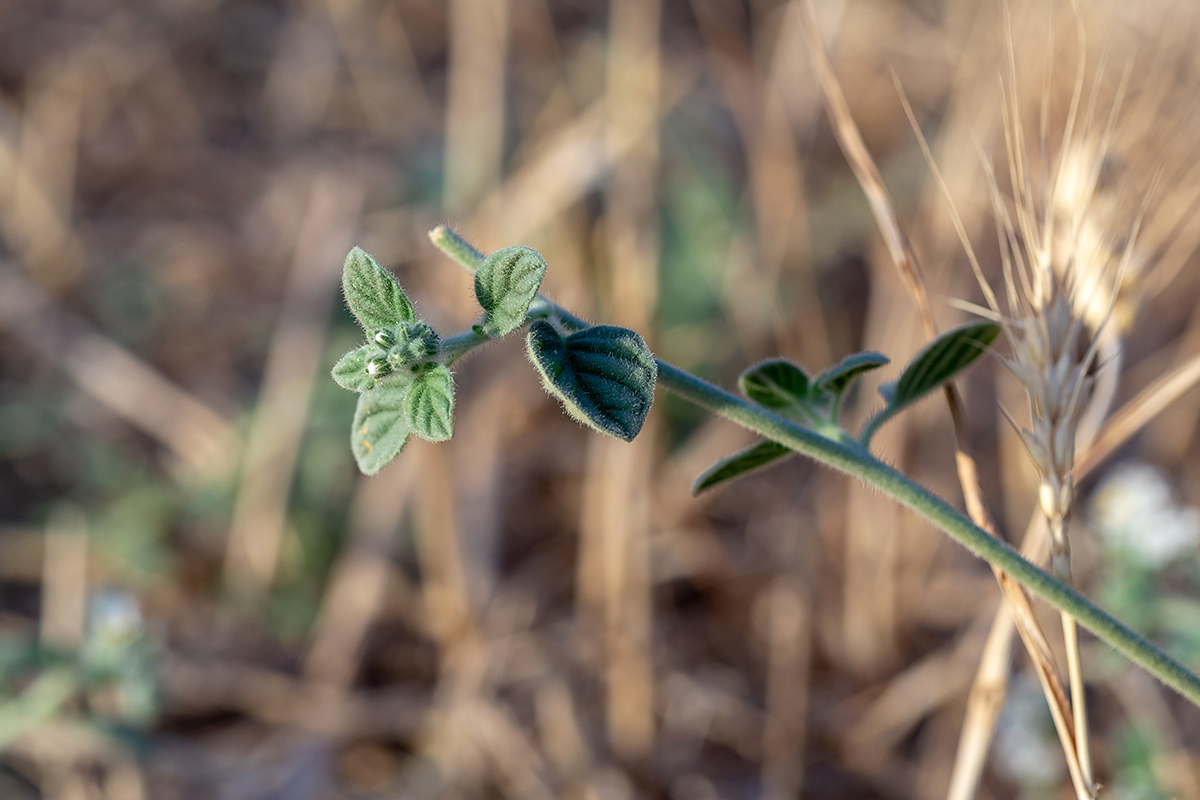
(989, 691)
(992, 675)
(789, 643)
(860, 161)
(614, 573)
(360, 577)
(278, 698)
(203, 443)
(64, 580)
(907, 265)
(293, 362)
(479, 38)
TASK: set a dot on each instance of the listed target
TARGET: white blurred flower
(115, 623)
(1026, 748)
(1135, 511)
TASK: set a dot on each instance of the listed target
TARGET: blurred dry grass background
(199, 596)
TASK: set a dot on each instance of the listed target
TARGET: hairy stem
(859, 463)
(455, 347)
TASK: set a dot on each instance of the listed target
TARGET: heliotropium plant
(605, 377)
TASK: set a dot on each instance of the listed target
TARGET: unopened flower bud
(423, 340)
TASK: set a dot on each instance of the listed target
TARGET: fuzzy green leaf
(350, 371)
(942, 359)
(749, 459)
(505, 285)
(429, 405)
(783, 387)
(604, 375)
(373, 294)
(836, 379)
(379, 429)
(887, 391)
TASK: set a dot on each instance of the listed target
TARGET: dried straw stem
(908, 266)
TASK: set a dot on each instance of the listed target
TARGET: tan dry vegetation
(532, 611)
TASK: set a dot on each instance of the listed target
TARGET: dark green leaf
(751, 458)
(942, 358)
(429, 405)
(379, 429)
(373, 294)
(781, 386)
(836, 379)
(350, 371)
(505, 285)
(604, 375)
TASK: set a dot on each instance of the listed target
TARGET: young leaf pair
(786, 389)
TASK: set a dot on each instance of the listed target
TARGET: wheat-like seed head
(1069, 223)
(1062, 278)
(1053, 358)
(1103, 257)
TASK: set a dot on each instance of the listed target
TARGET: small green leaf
(941, 359)
(781, 386)
(887, 391)
(350, 371)
(505, 285)
(836, 379)
(604, 375)
(379, 429)
(429, 405)
(749, 459)
(373, 294)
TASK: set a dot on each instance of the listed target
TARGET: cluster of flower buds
(408, 345)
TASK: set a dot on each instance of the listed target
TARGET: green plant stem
(869, 470)
(455, 347)
(872, 425)
(469, 258)
(859, 463)
(456, 247)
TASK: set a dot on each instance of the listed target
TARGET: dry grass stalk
(788, 648)
(475, 99)
(991, 678)
(202, 443)
(64, 580)
(360, 578)
(776, 175)
(620, 473)
(1104, 180)
(869, 635)
(908, 266)
(1062, 281)
(256, 533)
